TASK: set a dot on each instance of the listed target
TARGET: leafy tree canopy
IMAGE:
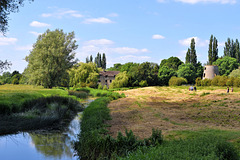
(235, 73)
(84, 74)
(187, 71)
(165, 73)
(121, 80)
(172, 62)
(226, 65)
(52, 55)
(6, 7)
(4, 65)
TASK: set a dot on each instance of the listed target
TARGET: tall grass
(203, 147)
(40, 113)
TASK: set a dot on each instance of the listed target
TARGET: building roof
(108, 73)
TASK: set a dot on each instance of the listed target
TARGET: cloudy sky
(126, 30)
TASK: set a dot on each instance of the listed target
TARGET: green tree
(227, 48)
(6, 77)
(120, 81)
(51, 57)
(165, 74)
(104, 61)
(187, 71)
(237, 50)
(235, 73)
(172, 62)
(199, 69)
(116, 67)
(212, 50)
(226, 65)
(191, 55)
(87, 60)
(187, 59)
(91, 58)
(4, 65)
(6, 7)
(84, 74)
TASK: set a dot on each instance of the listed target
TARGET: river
(38, 145)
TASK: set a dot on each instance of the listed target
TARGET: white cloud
(39, 24)
(99, 42)
(198, 41)
(60, 13)
(113, 15)
(35, 33)
(98, 20)
(221, 44)
(24, 48)
(208, 1)
(157, 36)
(7, 41)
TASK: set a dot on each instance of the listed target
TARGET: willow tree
(52, 55)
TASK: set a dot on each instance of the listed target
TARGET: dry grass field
(173, 109)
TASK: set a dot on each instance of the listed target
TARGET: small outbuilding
(106, 77)
(210, 71)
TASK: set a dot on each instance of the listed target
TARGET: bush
(206, 82)
(177, 81)
(236, 82)
(143, 83)
(78, 94)
(198, 81)
(230, 81)
(105, 87)
(215, 81)
(83, 89)
(100, 86)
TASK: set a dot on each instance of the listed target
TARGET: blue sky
(126, 30)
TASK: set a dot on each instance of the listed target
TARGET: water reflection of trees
(55, 145)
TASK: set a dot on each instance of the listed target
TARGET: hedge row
(219, 81)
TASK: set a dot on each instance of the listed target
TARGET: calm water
(41, 145)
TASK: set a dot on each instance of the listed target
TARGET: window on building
(106, 81)
(203, 74)
(205, 68)
(99, 81)
(110, 81)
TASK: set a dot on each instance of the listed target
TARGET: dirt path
(172, 108)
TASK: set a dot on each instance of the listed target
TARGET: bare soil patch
(173, 108)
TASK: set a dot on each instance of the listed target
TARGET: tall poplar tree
(187, 58)
(91, 58)
(227, 48)
(104, 61)
(212, 50)
(193, 54)
(237, 50)
(215, 49)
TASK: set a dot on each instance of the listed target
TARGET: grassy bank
(26, 107)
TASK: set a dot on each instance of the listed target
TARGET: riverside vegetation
(26, 107)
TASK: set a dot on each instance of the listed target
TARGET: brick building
(106, 77)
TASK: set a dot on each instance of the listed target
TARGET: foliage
(79, 94)
(191, 55)
(226, 65)
(198, 81)
(121, 80)
(172, 62)
(187, 71)
(165, 74)
(116, 67)
(6, 64)
(232, 49)
(51, 57)
(84, 74)
(235, 73)
(39, 113)
(93, 142)
(143, 83)
(201, 147)
(100, 86)
(6, 7)
(177, 81)
(206, 82)
(105, 87)
(212, 50)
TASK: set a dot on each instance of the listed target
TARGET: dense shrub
(215, 81)
(230, 81)
(100, 86)
(222, 80)
(143, 83)
(236, 82)
(206, 82)
(83, 89)
(79, 94)
(105, 87)
(198, 81)
(177, 81)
